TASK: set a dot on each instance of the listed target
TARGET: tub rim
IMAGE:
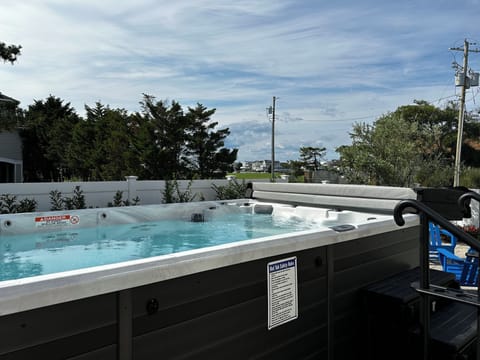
(44, 290)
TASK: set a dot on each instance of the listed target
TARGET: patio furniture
(440, 239)
(465, 269)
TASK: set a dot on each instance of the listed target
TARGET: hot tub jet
(197, 217)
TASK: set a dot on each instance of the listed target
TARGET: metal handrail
(462, 201)
(426, 214)
(438, 218)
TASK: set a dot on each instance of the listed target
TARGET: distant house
(261, 165)
(246, 166)
(265, 165)
(11, 159)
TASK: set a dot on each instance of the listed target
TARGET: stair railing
(465, 207)
(426, 289)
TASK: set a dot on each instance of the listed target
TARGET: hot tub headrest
(263, 209)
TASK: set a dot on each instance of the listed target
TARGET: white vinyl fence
(101, 193)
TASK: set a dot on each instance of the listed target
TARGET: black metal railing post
(427, 214)
(424, 284)
(464, 205)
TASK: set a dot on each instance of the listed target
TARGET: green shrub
(173, 194)
(233, 190)
(470, 177)
(10, 205)
(77, 201)
(27, 205)
(118, 200)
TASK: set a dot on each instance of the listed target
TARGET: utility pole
(273, 140)
(463, 80)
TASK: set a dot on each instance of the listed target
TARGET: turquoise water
(45, 253)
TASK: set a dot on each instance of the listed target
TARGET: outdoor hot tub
(276, 275)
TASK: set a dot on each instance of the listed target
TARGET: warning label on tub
(282, 291)
(53, 220)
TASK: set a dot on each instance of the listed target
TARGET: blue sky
(329, 63)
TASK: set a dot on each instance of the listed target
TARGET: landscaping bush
(234, 190)
(10, 205)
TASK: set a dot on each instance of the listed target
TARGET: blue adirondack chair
(465, 269)
(440, 239)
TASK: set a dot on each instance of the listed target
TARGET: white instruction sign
(282, 291)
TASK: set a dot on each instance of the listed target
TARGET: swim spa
(207, 301)
(46, 243)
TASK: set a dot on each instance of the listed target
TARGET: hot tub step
(392, 310)
(457, 295)
(453, 333)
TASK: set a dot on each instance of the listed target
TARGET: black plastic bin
(444, 201)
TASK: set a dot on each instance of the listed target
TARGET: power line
(334, 120)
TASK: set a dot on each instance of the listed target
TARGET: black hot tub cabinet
(213, 303)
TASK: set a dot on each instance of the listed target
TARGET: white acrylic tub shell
(44, 290)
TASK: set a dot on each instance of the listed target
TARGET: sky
(329, 64)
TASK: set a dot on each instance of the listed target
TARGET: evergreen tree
(46, 133)
(101, 145)
(160, 141)
(310, 156)
(81, 150)
(208, 156)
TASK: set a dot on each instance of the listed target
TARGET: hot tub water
(39, 253)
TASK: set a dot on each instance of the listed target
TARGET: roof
(5, 98)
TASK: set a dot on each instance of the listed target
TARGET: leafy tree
(381, 154)
(410, 145)
(9, 53)
(438, 128)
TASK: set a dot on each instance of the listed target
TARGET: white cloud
(329, 63)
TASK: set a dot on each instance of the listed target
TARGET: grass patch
(260, 175)
(251, 175)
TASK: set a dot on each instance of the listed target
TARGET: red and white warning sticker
(56, 220)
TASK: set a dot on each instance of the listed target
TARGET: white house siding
(11, 157)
